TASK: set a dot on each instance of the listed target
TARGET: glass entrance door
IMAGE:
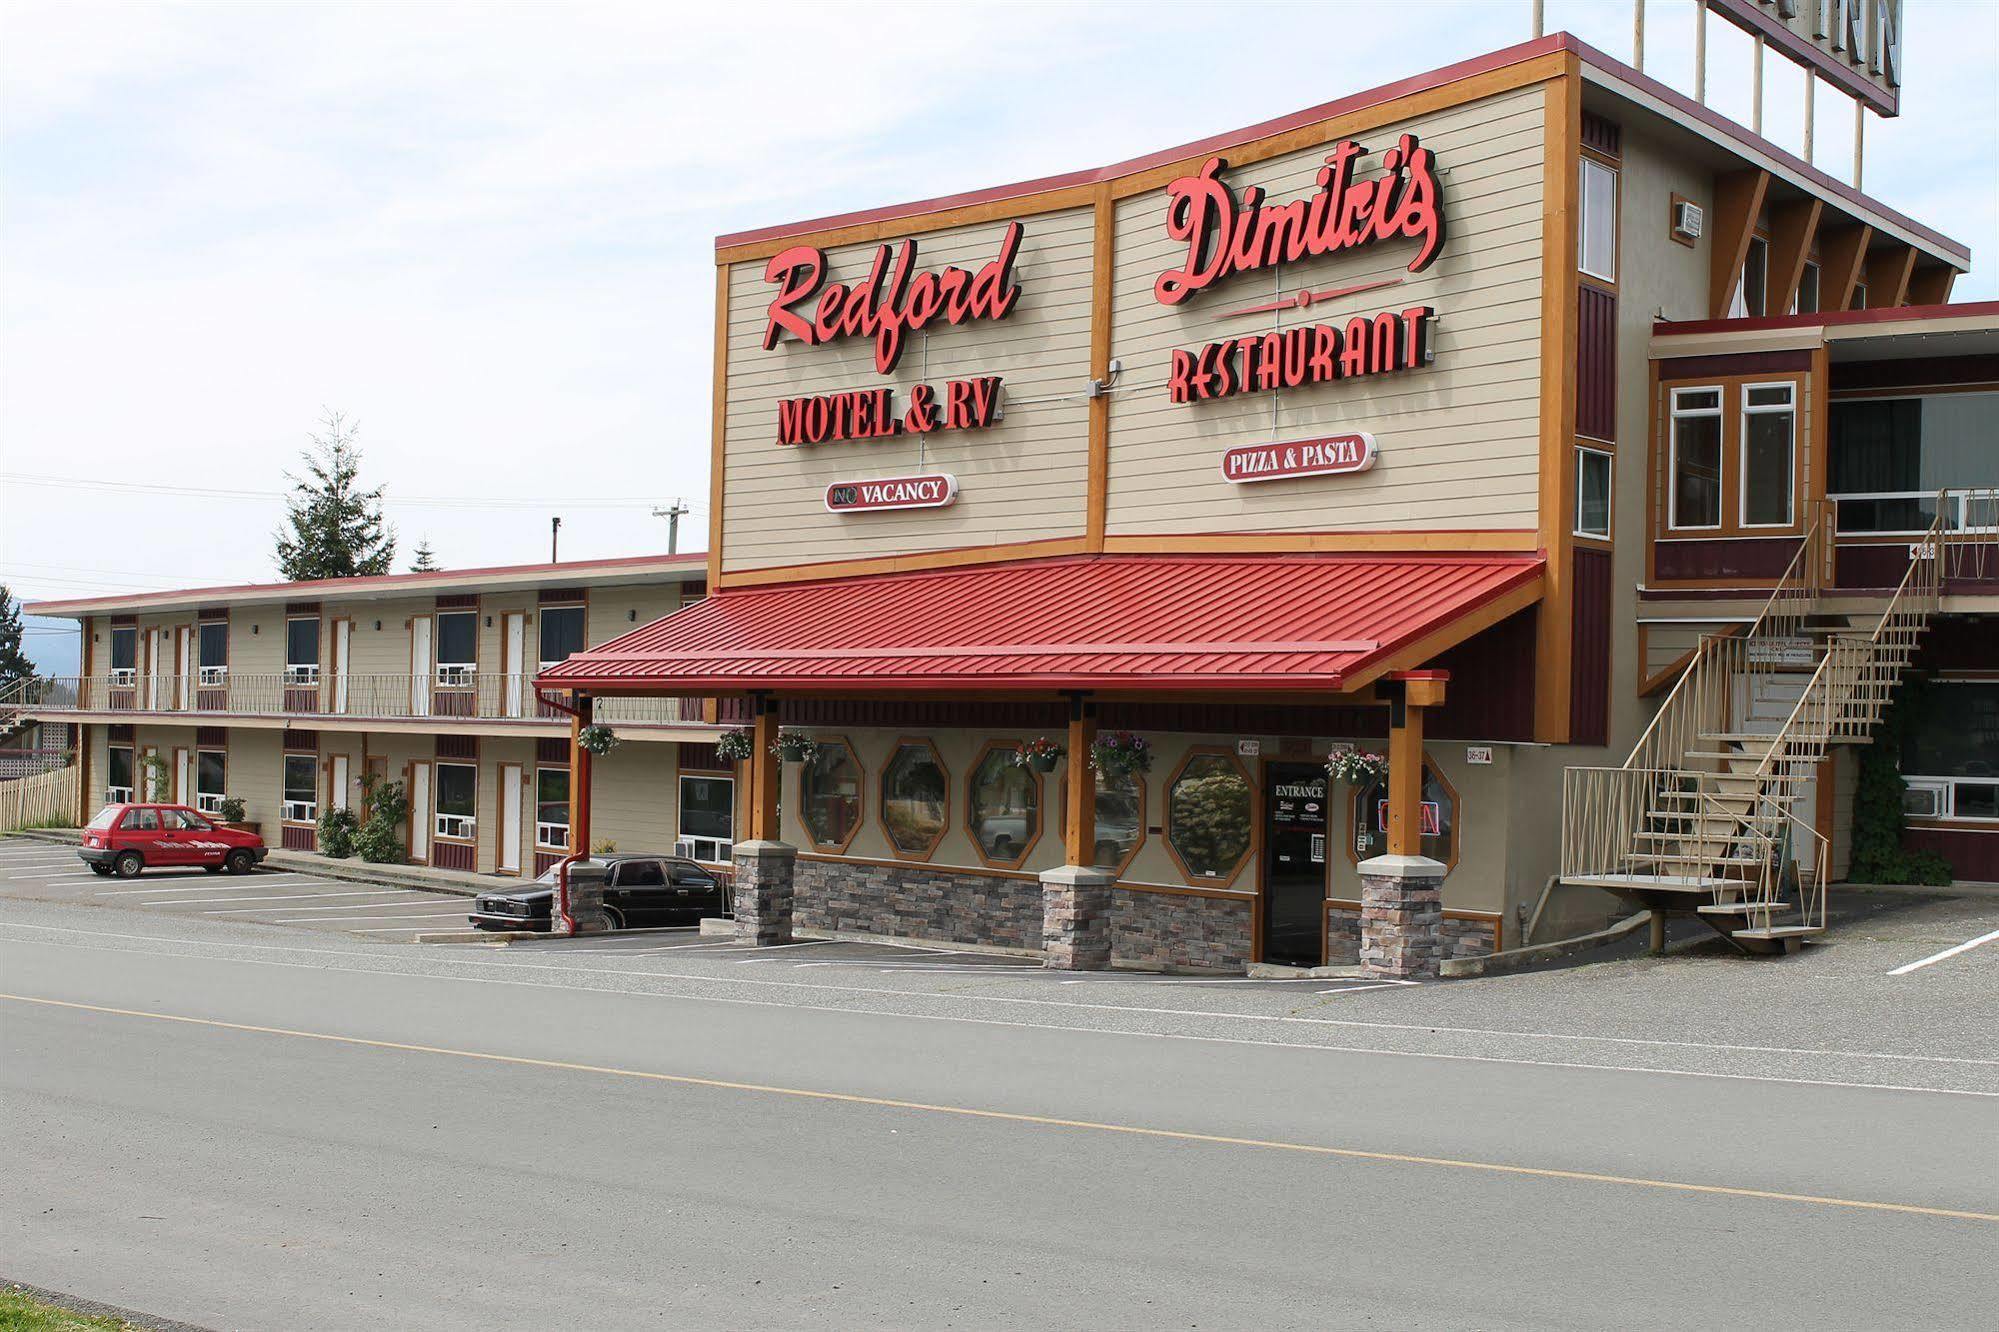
(1294, 863)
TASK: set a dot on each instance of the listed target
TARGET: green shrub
(230, 809)
(379, 839)
(1878, 820)
(337, 828)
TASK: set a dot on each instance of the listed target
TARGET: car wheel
(617, 920)
(239, 862)
(129, 864)
(101, 871)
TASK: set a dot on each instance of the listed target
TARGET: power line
(389, 498)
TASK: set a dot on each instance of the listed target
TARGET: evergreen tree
(14, 663)
(333, 528)
(426, 558)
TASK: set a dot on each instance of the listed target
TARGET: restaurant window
(1890, 456)
(1859, 296)
(1769, 451)
(457, 647)
(1596, 247)
(707, 817)
(1368, 818)
(1593, 468)
(1208, 816)
(1120, 818)
(551, 808)
(1695, 500)
(301, 791)
(118, 775)
(829, 787)
(1806, 301)
(1752, 293)
(1004, 811)
(915, 800)
(457, 800)
(211, 772)
(302, 650)
(124, 654)
(212, 651)
(1950, 753)
(562, 633)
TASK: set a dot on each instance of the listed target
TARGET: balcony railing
(461, 696)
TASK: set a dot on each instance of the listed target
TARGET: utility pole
(554, 540)
(672, 516)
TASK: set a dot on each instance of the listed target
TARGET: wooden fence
(45, 800)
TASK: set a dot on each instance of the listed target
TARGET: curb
(1514, 958)
(78, 1305)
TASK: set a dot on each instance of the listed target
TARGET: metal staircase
(1705, 815)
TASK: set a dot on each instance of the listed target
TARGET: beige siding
(633, 805)
(1459, 438)
(255, 775)
(1022, 479)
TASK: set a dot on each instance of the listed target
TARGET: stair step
(1659, 858)
(1740, 908)
(1625, 881)
(1777, 932)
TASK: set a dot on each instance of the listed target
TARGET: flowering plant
(597, 738)
(1116, 753)
(734, 746)
(1039, 754)
(793, 746)
(1355, 767)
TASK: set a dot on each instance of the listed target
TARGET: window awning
(1144, 623)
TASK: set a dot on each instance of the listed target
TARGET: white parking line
(1964, 947)
(351, 906)
(772, 948)
(344, 921)
(294, 897)
(210, 887)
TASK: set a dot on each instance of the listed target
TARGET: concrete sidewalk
(420, 878)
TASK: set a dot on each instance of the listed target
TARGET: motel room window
(551, 808)
(457, 647)
(1004, 811)
(829, 787)
(915, 800)
(1120, 818)
(301, 804)
(124, 654)
(1807, 299)
(1769, 452)
(1696, 458)
(1369, 818)
(212, 651)
(1752, 293)
(1890, 456)
(1950, 755)
(1208, 816)
(707, 817)
(1596, 246)
(118, 776)
(302, 650)
(457, 800)
(211, 772)
(1593, 467)
(561, 633)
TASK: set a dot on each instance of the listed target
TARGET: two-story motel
(1461, 420)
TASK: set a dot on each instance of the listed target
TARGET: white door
(183, 672)
(420, 815)
(337, 797)
(420, 665)
(516, 638)
(513, 791)
(183, 778)
(343, 641)
(156, 669)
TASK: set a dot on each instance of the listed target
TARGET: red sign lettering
(968, 404)
(1309, 354)
(895, 492)
(1335, 455)
(1225, 237)
(894, 300)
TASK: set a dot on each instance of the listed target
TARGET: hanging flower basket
(1356, 767)
(599, 740)
(1041, 754)
(1120, 753)
(735, 746)
(793, 746)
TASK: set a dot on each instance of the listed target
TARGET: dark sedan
(639, 890)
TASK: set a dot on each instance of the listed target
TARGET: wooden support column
(1079, 810)
(765, 771)
(579, 768)
(1842, 251)
(1738, 202)
(1888, 271)
(1792, 226)
(1419, 690)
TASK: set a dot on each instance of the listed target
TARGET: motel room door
(1294, 863)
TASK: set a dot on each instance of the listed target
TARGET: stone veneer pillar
(586, 901)
(1076, 918)
(765, 876)
(1401, 916)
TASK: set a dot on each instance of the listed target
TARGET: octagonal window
(829, 788)
(1005, 809)
(915, 799)
(1208, 816)
(1439, 816)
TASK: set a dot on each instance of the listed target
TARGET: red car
(125, 839)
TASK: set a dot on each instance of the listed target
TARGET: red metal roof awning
(1111, 622)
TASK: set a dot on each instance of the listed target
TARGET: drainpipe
(579, 813)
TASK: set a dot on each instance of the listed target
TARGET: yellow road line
(1047, 1121)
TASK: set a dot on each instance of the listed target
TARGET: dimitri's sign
(1335, 455)
(1312, 354)
(1856, 45)
(967, 404)
(896, 492)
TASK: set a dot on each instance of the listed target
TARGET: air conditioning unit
(1687, 218)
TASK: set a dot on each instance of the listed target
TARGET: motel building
(1491, 503)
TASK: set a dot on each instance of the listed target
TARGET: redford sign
(1334, 455)
(895, 492)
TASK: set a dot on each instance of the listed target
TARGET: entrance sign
(1312, 354)
(1334, 455)
(895, 492)
(894, 300)
(967, 404)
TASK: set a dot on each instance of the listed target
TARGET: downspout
(579, 818)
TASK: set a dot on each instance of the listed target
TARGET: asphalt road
(251, 1126)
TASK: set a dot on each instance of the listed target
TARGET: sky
(486, 233)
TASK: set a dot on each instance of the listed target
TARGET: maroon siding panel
(544, 861)
(1589, 649)
(211, 736)
(1872, 565)
(551, 751)
(306, 741)
(1915, 372)
(1491, 693)
(1722, 558)
(1602, 134)
(1954, 643)
(301, 608)
(120, 732)
(453, 856)
(1973, 854)
(1596, 363)
(458, 601)
(1749, 363)
(549, 596)
(702, 758)
(464, 747)
(298, 839)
